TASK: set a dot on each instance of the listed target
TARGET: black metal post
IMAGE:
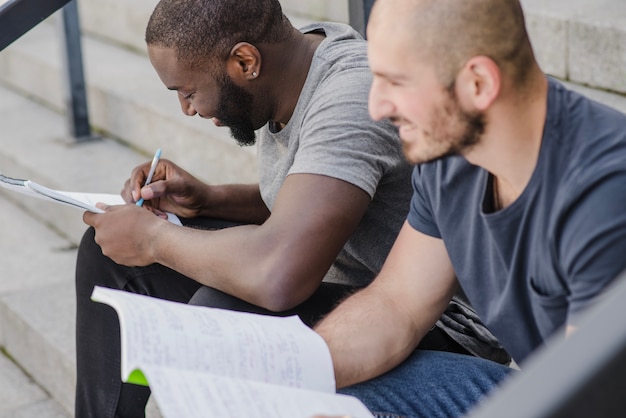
(355, 12)
(359, 13)
(76, 94)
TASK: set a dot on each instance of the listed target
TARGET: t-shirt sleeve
(420, 214)
(593, 243)
(339, 139)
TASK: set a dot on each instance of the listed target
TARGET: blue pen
(155, 161)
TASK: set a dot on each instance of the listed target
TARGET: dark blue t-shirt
(532, 267)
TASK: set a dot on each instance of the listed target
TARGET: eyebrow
(391, 76)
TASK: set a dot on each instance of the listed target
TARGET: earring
(253, 73)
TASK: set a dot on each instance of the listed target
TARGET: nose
(380, 107)
(186, 107)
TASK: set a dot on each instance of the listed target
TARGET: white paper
(86, 201)
(181, 393)
(157, 333)
(83, 201)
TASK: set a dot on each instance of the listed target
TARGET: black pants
(99, 390)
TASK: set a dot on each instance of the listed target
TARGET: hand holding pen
(172, 189)
(155, 161)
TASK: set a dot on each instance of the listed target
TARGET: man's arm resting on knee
(377, 328)
(235, 202)
(279, 263)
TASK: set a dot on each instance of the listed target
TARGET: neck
(290, 62)
(510, 147)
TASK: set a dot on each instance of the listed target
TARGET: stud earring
(253, 73)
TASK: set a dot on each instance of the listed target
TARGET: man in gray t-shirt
(331, 134)
(334, 187)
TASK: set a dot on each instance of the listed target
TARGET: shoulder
(441, 187)
(447, 173)
(586, 143)
(589, 216)
(337, 35)
(585, 129)
(342, 49)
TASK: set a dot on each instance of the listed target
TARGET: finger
(127, 192)
(137, 180)
(136, 192)
(102, 206)
(88, 218)
(159, 213)
(155, 189)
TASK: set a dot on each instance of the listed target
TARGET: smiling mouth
(405, 128)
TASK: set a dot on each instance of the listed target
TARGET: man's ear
(244, 63)
(478, 83)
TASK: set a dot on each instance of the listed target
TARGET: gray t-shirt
(330, 133)
(535, 265)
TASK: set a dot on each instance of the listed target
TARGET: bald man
(519, 198)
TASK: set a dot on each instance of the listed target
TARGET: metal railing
(19, 16)
(359, 12)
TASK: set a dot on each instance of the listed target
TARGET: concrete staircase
(582, 41)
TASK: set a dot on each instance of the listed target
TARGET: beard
(471, 125)
(453, 131)
(235, 112)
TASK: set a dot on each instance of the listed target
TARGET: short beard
(235, 112)
(472, 125)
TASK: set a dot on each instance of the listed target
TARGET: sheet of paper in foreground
(197, 395)
(157, 334)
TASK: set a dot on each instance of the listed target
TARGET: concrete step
(37, 307)
(583, 41)
(21, 397)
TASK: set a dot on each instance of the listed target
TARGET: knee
(91, 264)
(88, 244)
(431, 383)
(207, 296)
(210, 297)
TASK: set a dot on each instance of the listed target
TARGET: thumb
(157, 189)
(151, 191)
(102, 206)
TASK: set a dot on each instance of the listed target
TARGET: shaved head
(447, 33)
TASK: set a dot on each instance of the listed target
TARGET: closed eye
(186, 96)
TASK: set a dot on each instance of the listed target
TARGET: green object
(138, 378)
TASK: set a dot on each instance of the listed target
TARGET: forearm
(280, 262)
(251, 262)
(369, 334)
(235, 202)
